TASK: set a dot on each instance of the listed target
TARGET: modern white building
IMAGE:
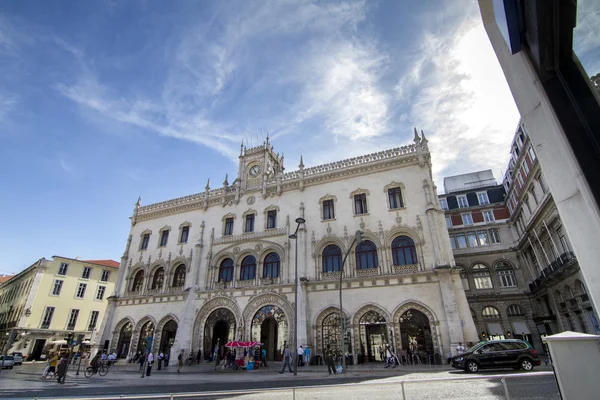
(219, 265)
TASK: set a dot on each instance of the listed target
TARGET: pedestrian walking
(160, 360)
(306, 355)
(198, 356)
(150, 362)
(61, 371)
(287, 359)
(264, 357)
(180, 361)
(300, 356)
(329, 357)
(460, 349)
(389, 357)
(167, 356)
(141, 360)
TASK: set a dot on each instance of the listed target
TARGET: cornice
(380, 161)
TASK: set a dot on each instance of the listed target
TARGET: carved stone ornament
(398, 219)
(250, 200)
(258, 247)
(236, 250)
(362, 223)
(328, 228)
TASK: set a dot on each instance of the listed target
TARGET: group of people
(163, 361)
(57, 366)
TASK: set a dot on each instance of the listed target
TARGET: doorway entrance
(268, 336)
(415, 334)
(373, 336)
(38, 348)
(218, 330)
(124, 340)
(167, 338)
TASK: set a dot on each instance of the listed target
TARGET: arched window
(366, 255)
(580, 287)
(464, 278)
(559, 297)
(490, 313)
(569, 292)
(403, 251)
(248, 270)
(481, 277)
(514, 311)
(226, 270)
(271, 266)
(179, 276)
(506, 274)
(332, 258)
(138, 282)
(159, 277)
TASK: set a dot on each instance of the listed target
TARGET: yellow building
(51, 299)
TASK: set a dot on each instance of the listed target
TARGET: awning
(495, 330)
(521, 328)
(57, 342)
(86, 342)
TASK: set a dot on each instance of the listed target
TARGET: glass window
(226, 270)
(525, 167)
(93, 320)
(145, 241)
(105, 276)
(481, 277)
(164, 238)
(472, 239)
(81, 290)
(483, 198)
(73, 319)
(494, 236)
(62, 270)
(449, 222)
(360, 204)
(328, 210)
(395, 197)
(453, 242)
(185, 232)
(366, 255)
(47, 320)
(332, 258)
(272, 219)
(533, 195)
(249, 223)
(138, 282)
(514, 311)
(542, 183)
(506, 275)
(462, 201)
(531, 154)
(464, 278)
(488, 216)
(467, 219)
(483, 238)
(461, 241)
(179, 276)
(86, 273)
(444, 204)
(228, 227)
(403, 251)
(57, 287)
(520, 179)
(271, 266)
(248, 269)
(100, 292)
(490, 313)
(158, 279)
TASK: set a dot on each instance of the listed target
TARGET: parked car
(18, 358)
(508, 353)
(7, 361)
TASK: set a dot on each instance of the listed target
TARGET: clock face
(255, 170)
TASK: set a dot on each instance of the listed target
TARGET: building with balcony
(559, 295)
(219, 265)
(493, 279)
(41, 305)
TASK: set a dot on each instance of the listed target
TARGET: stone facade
(226, 265)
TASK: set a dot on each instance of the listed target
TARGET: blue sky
(105, 101)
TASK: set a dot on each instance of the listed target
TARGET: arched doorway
(167, 337)
(415, 334)
(373, 336)
(270, 327)
(330, 332)
(146, 332)
(124, 340)
(218, 330)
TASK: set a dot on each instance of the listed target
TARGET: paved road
(357, 384)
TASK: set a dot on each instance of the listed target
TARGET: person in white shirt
(460, 349)
(150, 361)
(300, 355)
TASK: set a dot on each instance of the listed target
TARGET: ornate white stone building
(219, 265)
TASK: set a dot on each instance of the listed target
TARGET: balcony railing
(573, 301)
(556, 266)
(71, 327)
(45, 326)
(91, 327)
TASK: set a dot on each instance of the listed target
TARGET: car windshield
(474, 347)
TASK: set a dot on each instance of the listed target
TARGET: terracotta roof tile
(5, 278)
(106, 263)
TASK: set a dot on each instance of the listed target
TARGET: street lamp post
(294, 236)
(357, 240)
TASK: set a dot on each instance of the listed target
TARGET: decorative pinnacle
(139, 202)
(301, 166)
(242, 148)
(423, 140)
(207, 185)
(226, 183)
(417, 138)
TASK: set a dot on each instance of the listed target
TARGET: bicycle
(101, 370)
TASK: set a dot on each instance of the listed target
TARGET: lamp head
(300, 220)
(293, 236)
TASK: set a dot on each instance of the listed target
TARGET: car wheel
(526, 364)
(472, 366)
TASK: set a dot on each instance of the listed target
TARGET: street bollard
(503, 380)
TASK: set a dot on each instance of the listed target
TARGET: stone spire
(301, 166)
(207, 188)
(242, 149)
(226, 182)
(135, 210)
(423, 139)
(417, 139)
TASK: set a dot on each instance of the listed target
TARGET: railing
(45, 326)
(71, 327)
(397, 389)
(561, 262)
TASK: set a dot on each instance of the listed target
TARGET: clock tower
(260, 166)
